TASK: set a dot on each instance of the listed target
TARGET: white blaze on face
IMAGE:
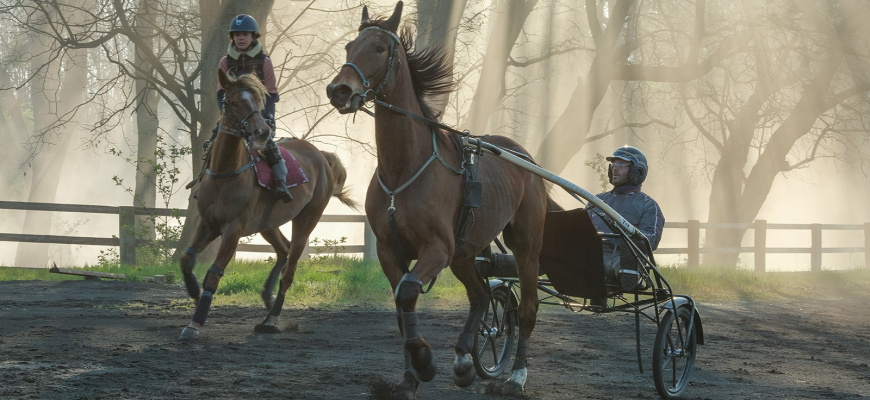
(247, 96)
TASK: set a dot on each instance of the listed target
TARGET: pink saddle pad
(295, 175)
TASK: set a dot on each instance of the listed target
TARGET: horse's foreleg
(478, 299)
(419, 358)
(201, 238)
(210, 284)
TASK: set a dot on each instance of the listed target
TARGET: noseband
(394, 48)
(241, 129)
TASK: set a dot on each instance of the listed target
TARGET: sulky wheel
(494, 342)
(674, 353)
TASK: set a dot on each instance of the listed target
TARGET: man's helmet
(639, 168)
(244, 23)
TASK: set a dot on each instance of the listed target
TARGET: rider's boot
(279, 170)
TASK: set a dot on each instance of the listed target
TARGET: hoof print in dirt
(507, 388)
(383, 390)
(262, 328)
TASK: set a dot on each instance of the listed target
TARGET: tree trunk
(147, 124)
(571, 130)
(510, 16)
(13, 123)
(47, 163)
(736, 200)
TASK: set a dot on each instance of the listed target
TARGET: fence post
(369, 243)
(760, 245)
(867, 245)
(694, 243)
(816, 248)
(127, 235)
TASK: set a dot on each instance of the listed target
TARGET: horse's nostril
(338, 92)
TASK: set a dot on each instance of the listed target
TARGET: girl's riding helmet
(245, 23)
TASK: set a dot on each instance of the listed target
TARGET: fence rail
(127, 242)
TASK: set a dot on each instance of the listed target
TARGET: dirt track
(114, 340)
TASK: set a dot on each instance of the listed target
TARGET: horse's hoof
(515, 384)
(264, 328)
(422, 358)
(463, 370)
(189, 333)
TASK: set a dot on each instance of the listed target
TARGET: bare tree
(790, 96)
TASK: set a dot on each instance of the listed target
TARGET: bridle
(388, 66)
(241, 129)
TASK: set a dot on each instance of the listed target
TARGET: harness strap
(226, 175)
(391, 210)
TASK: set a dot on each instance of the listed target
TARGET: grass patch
(338, 282)
(734, 284)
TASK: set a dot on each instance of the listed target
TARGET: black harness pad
(571, 254)
(473, 194)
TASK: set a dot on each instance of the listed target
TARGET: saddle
(295, 174)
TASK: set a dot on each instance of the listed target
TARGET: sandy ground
(117, 340)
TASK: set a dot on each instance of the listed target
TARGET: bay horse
(232, 205)
(416, 195)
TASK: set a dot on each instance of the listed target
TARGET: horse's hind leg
(527, 252)
(478, 299)
(281, 245)
(303, 224)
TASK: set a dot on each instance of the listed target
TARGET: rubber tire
(672, 365)
(492, 354)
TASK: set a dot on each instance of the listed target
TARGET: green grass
(337, 282)
(733, 284)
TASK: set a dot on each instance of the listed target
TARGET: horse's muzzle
(343, 98)
(258, 138)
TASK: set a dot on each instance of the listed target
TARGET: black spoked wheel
(674, 353)
(494, 342)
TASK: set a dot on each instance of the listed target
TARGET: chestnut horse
(416, 196)
(232, 205)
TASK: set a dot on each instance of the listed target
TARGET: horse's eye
(380, 48)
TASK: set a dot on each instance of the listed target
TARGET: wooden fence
(127, 242)
(759, 248)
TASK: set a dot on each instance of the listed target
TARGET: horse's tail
(339, 174)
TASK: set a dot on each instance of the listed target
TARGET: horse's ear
(365, 16)
(392, 24)
(223, 79)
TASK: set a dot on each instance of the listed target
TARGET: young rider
(245, 56)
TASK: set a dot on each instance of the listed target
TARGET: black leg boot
(279, 170)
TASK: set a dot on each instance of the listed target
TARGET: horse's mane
(431, 70)
(252, 82)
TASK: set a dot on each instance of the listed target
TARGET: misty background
(746, 110)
